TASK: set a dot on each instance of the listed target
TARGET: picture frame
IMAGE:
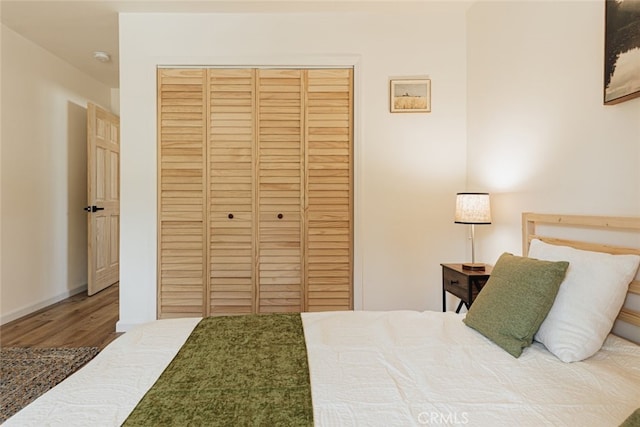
(621, 51)
(410, 95)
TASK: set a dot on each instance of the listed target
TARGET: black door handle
(93, 208)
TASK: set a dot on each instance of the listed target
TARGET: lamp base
(473, 266)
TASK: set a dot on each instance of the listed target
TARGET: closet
(255, 191)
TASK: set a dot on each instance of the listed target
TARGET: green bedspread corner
(234, 371)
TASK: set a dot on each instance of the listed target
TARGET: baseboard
(6, 318)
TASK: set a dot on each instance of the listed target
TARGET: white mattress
(377, 368)
(409, 368)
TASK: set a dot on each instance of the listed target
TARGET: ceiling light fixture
(101, 56)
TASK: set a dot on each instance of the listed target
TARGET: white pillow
(588, 301)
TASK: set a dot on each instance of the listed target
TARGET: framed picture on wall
(621, 51)
(410, 96)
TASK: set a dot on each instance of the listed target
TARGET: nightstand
(465, 284)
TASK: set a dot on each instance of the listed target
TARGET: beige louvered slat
(329, 190)
(280, 191)
(181, 182)
(231, 190)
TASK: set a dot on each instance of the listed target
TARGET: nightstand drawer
(455, 284)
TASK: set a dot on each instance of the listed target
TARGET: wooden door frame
(310, 62)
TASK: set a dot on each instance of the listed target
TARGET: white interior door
(103, 187)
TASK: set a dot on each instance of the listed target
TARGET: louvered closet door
(280, 191)
(329, 203)
(231, 190)
(182, 183)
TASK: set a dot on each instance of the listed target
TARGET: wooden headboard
(530, 231)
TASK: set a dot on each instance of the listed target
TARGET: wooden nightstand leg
(459, 306)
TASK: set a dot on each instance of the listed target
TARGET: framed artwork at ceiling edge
(621, 51)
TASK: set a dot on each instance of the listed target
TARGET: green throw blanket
(234, 371)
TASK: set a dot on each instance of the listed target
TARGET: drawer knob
(454, 282)
(280, 216)
(230, 216)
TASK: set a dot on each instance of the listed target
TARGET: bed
(387, 368)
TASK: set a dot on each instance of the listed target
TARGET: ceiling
(73, 30)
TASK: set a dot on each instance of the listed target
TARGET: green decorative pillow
(515, 300)
(633, 420)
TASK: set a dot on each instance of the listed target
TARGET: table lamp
(472, 209)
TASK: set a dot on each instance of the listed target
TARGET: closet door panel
(181, 190)
(329, 187)
(231, 191)
(280, 191)
(255, 191)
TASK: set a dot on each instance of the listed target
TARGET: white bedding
(377, 368)
(409, 368)
(105, 391)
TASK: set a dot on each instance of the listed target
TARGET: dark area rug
(26, 373)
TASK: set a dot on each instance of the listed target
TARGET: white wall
(408, 166)
(539, 137)
(43, 176)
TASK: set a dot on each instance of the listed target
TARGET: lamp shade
(473, 208)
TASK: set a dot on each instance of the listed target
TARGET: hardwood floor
(78, 321)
